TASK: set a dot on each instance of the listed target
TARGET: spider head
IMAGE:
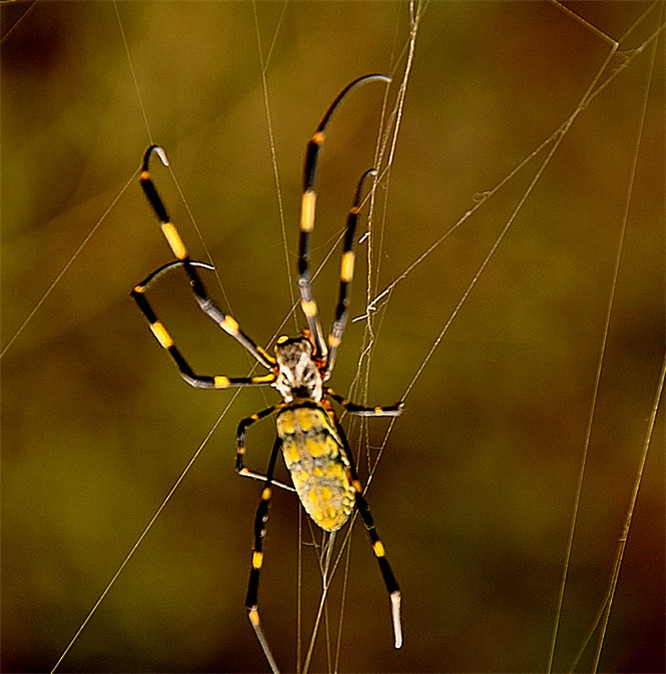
(298, 375)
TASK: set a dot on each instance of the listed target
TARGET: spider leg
(387, 573)
(166, 341)
(378, 549)
(365, 410)
(206, 304)
(186, 372)
(240, 447)
(252, 598)
(308, 206)
(346, 276)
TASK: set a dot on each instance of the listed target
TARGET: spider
(312, 440)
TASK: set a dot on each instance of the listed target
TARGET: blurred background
(475, 488)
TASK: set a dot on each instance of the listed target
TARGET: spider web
(474, 491)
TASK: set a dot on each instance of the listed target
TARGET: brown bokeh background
(475, 488)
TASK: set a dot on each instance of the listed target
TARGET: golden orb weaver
(313, 443)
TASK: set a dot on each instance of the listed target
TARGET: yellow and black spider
(313, 443)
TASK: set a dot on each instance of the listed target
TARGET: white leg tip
(395, 615)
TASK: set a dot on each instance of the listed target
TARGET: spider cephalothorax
(297, 372)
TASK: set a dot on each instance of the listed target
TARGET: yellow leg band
(163, 337)
(347, 267)
(173, 239)
(309, 308)
(308, 211)
(229, 325)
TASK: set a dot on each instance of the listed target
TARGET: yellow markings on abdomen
(307, 418)
(319, 468)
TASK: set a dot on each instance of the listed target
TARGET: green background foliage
(475, 489)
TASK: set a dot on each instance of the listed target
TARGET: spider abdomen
(316, 459)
